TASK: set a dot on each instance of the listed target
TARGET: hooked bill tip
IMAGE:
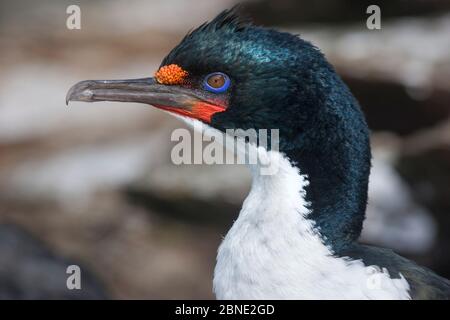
(79, 92)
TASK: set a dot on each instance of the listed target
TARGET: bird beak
(172, 98)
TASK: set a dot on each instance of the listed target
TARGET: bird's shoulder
(423, 282)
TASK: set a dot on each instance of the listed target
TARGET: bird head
(229, 74)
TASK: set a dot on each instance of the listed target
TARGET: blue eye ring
(224, 87)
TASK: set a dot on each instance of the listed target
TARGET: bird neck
(273, 250)
(337, 166)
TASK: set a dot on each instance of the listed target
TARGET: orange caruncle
(171, 74)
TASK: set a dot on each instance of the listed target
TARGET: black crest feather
(231, 19)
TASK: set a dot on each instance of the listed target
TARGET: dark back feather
(424, 283)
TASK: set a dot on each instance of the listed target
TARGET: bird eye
(217, 82)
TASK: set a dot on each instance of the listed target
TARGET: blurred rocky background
(93, 185)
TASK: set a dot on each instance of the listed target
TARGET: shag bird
(296, 235)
